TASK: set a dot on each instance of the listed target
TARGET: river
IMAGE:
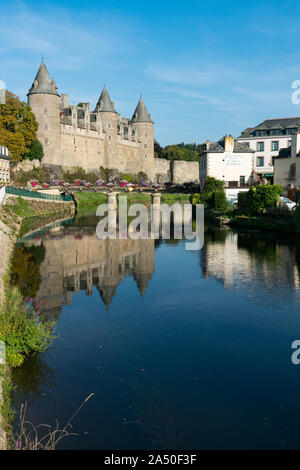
(182, 349)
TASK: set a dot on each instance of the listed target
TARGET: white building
(229, 161)
(287, 165)
(267, 139)
(4, 165)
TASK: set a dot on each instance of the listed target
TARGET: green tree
(172, 152)
(157, 149)
(18, 127)
(36, 151)
(259, 198)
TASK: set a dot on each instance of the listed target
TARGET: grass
(86, 198)
(170, 198)
(30, 436)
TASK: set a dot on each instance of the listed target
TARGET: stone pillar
(112, 214)
(112, 200)
(155, 213)
(156, 199)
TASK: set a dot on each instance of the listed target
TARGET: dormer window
(291, 130)
(275, 132)
(260, 133)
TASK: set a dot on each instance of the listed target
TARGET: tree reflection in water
(32, 378)
(25, 268)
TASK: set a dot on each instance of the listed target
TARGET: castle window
(146, 135)
(145, 146)
(109, 137)
(46, 126)
(145, 156)
(45, 110)
(46, 141)
(108, 125)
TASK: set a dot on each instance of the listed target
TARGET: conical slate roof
(141, 113)
(107, 293)
(42, 82)
(142, 280)
(104, 103)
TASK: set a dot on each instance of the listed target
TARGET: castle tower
(145, 264)
(43, 99)
(109, 117)
(142, 123)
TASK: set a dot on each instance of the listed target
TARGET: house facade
(4, 165)
(267, 139)
(287, 165)
(227, 160)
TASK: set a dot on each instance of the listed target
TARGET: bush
(80, 174)
(105, 173)
(259, 198)
(127, 177)
(202, 198)
(212, 184)
(39, 174)
(21, 328)
(218, 200)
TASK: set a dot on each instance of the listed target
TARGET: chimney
(295, 147)
(229, 143)
(64, 99)
(86, 107)
(207, 145)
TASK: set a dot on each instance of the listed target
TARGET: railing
(37, 195)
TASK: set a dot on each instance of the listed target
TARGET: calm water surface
(183, 349)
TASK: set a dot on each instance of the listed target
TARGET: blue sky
(204, 68)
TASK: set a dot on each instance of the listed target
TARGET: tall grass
(43, 436)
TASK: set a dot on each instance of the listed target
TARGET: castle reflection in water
(76, 262)
(255, 264)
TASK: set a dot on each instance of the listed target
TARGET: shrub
(212, 184)
(218, 200)
(80, 174)
(105, 173)
(21, 328)
(202, 198)
(39, 174)
(127, 177)
(259, 198)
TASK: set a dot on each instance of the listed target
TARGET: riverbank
(283, 224)
(13, 214)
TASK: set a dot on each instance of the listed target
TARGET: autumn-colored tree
(18, 127)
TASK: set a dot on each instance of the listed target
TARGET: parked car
(287, 202)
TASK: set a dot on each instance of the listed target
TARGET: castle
(74, 136)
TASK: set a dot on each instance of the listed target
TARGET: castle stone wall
(184, 172)
(162, 170)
